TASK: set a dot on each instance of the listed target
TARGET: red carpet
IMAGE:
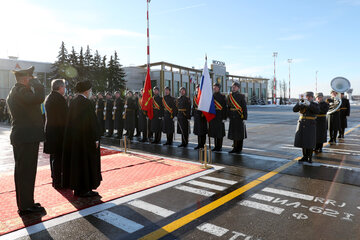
(123, 174)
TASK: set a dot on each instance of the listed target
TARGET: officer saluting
(305, 136)
(183, 105)
(27, 132)
(216, 125)
(237, 114)
(321, 127)
(170, 111)
(156, 122)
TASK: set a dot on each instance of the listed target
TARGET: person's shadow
(35, 219)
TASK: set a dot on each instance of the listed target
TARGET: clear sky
(319, 35)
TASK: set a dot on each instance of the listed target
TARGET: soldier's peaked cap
(82, 86)
(168, 88)
(217, 85)
(108, 93)
(309, 93)
(319, 94)
(156, 88)
(236, 84)
(24, 72)
(182, 88)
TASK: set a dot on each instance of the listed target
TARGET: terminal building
(163, 74)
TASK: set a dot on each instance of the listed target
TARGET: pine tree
(73, 73)
(60, 65)
(96, 72)
(88, 63)
(103, 75)
(81, 67)
(116, 74)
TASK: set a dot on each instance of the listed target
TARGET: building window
(168, 83)
(176, 88)
(250, 93)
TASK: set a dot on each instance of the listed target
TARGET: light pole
(289, 61)
(316, 81)
(274, 55)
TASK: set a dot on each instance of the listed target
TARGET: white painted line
(118, 221)
(289, 194)
(88, 211)
(262, 197)
(212, 229)
(220, 180)
(207, 185)
(151, 208)
(262, 207)
(194, 190)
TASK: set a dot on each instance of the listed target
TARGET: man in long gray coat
(305, 136)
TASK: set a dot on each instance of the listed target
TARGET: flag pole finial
(205, 56)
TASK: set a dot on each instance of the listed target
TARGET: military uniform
(216, 125)
(200, 123)
(156, 122)
(333, 120)
(100, 105)
(143, 122)
(27, 131)
(170, 111)
(129, 116)
(183, 105)
(305, 136)
(321, 126)
(118, 117)
(237, 113)
(108, 117)
(344, 112)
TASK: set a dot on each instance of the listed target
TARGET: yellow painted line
(347, 132)
(171, 227)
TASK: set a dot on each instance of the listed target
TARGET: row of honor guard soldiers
(315, 120)
(127, 114)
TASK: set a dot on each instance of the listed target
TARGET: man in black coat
(129, 115)
(81, 152)
(56, 113)
(108, 110)
(216, 125)
(183, 104)
(118, 115)
(237, 113)
(100, 105)
(27, 132)
(305, 136)
(137, 131)
(321, 125)
(158, 110)
(170, 111)
(200, 123)
(333, 118)
(344, 113)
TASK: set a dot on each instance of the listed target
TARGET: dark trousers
(157, 137)
(169, 138)
(109, 125)
(26, 158)
(307, 152)
(184, 138)
(201, 141)
(319, 146)
(238, 145)
(55, 166)
(333, 134)
(341, 132)
(218, 143)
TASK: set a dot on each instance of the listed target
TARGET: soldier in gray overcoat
(305, 136)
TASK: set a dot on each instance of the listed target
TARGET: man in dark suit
(344, 113)
(81, 152)
(56, 113)
(237, 113)
(27, 132)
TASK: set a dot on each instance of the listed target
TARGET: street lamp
(289, 61)
(274, 55)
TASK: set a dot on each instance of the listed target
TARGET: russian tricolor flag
(205, 95)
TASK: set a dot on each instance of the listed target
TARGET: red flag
(146, 102)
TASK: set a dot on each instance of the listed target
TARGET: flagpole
(148, 59)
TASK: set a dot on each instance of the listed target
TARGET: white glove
(223, 121)
(306, 102)
(244, 121)
(301, 103)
